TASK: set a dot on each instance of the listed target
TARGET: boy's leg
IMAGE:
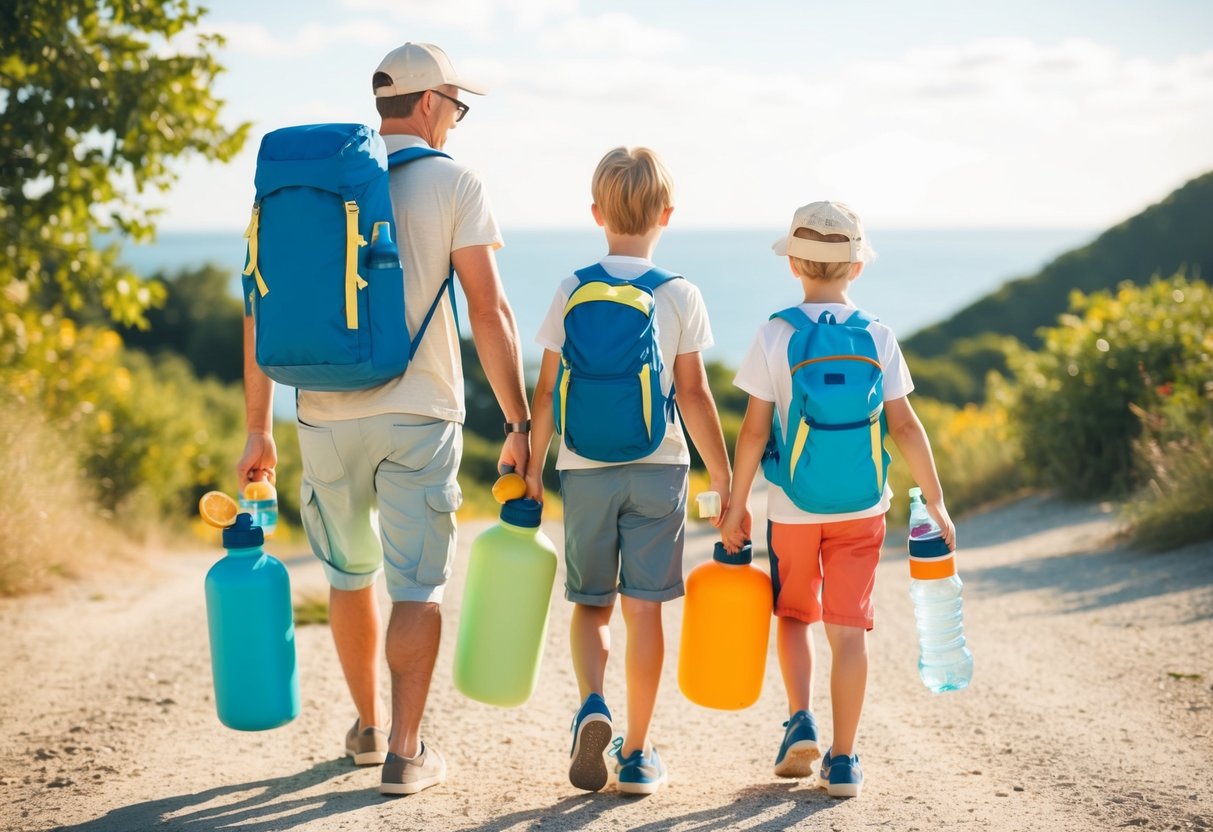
(850, 552)
(848, 683)
(645, 656)
(590, 642)
(652, 527)
(795, 644)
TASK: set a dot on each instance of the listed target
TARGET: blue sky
(928, 114)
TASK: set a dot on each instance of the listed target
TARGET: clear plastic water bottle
(944, 662)
(260, 501)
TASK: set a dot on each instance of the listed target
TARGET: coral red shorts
(826, 571)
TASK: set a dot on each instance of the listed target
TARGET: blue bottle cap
(243, 534)
(931, 547)
(522, 512)
(739, 558)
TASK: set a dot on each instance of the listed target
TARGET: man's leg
(413, 634)
(354, 620)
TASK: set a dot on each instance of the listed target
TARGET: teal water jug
(252, 631)
(503, 621)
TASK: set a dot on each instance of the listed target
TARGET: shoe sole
(368, 758)
(587, 768)
(844, 789)
(640, 788)
(799, 759)
(413, 787)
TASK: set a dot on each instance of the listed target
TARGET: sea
(918, 278)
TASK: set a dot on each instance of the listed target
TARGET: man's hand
(259, 459)
(515, 453)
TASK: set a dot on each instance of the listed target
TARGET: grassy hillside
(1174, 235)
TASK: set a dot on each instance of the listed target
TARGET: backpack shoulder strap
(654, 277)
(860, 319)
(411, 154)
(793, 315)
(594, 272)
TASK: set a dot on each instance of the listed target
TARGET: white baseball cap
(826, 218)
(417, 67)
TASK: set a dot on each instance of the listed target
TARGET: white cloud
(258, 40)
(613, 31)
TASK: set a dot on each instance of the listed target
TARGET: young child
(624, 515)
(823, 562)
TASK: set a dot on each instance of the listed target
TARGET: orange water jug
(726, 627)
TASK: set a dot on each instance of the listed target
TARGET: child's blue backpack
(323, 274)
(830, 457)
(608, 404)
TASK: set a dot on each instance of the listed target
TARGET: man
(398, 446)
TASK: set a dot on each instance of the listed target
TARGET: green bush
(1072, 401)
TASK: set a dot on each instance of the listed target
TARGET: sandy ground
(1091, 709)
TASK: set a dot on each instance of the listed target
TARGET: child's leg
(645, 655)
(590, 640)
(848, 683)
(795, 644)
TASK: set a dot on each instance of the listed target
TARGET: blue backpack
(609, 404)
(830, 457)
(323, 275)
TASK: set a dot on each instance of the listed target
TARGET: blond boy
(624, 521)
(824, 564)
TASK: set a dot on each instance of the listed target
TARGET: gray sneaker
(401, 776)
(368, 747)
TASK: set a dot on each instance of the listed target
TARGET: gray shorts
(624, 528)
(405, 467)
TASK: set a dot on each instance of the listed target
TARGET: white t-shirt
(440, 206)
(765, 374)
(682, 327)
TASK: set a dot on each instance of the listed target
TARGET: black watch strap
(518, 427)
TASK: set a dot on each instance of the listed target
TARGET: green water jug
(503, 620)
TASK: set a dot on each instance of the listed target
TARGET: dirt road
(1091, 709)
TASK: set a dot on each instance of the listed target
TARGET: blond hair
(631, 188)
(814, 270)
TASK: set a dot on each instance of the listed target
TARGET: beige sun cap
(417, 67)
(826, 218)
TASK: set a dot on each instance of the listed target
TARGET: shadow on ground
(765, 808)
(260, 806)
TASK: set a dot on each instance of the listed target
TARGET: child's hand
(939, 513)
(721, 487)
(534, 486)
(735, 527)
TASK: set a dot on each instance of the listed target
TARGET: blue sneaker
(591, 734)
(799, 748)
(841, 776)
(638, 773)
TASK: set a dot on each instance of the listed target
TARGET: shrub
(1072, 400)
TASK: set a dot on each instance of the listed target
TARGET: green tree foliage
(98, 98)
(1166, 238)
(1134, 349)
(200, 321)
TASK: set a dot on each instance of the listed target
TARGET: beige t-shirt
(440, 207)
(682, 327)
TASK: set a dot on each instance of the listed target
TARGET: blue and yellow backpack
(609, 405)
(830, 457)
(323, 278)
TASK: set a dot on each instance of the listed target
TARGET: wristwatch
(518, 427)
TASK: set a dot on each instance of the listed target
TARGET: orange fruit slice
(508, 487)
(260, 490)
(217, 509)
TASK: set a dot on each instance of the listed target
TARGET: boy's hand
(259, 459)
(735, 527)
(939, 513)
(534, 486)
(721, 487)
